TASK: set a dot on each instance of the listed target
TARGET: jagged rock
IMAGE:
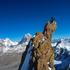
(39, 54)
(43, 53)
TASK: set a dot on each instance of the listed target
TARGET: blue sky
(18, 17)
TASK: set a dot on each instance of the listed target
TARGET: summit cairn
(43, 53)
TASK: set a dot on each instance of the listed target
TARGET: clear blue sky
(18, 17)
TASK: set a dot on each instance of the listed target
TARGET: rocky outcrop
(43, 53)
(39, 54)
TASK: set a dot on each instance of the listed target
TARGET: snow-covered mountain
(7, 42)
(9, 46)
(63, 43)
(25, 39)
(62, 54)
